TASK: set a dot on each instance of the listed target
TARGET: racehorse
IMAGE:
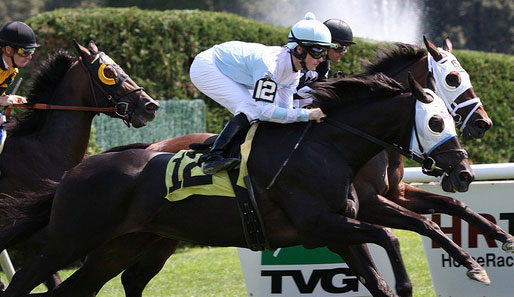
(108, 208)
(52, 136)
(383, 198)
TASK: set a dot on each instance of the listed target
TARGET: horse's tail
(21, 217)
(138, 145)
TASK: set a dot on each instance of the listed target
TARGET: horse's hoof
(479, 275)
(405, 291)
(508, 246)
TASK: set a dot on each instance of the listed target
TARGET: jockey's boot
(215, 160)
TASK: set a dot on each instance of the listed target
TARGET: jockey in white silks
(257, 82)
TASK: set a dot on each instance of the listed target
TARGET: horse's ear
(82, 51)
(431, 82)
(92, 48)
(432, 49)
(417, 90)
(447, 44)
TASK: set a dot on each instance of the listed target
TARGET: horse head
(131, 102)
(434, 141)
(454, 86)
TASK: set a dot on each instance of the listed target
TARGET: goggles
(24, 52)
(316, 52)
(340, 48)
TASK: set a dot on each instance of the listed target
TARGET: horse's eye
(110, 72)
(453, 79)
(436, 124)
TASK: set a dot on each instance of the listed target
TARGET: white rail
(497, 171)
(6, 265)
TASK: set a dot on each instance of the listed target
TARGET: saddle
(234, 151)
(232, 183)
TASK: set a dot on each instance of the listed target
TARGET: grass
(206, 272)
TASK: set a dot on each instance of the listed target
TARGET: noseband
(428, 163)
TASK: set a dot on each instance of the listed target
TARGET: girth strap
(251, 219)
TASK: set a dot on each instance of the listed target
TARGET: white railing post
(6, 264)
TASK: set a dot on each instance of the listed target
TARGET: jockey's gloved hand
(12, 99)
(316, 114)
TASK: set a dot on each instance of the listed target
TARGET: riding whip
(290, 154)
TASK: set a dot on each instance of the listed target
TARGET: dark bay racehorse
(111, 206)
(68, 92)
(384, 198)
(42, 144)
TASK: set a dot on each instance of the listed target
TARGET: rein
(63, 107)
(409, 154)
(428, 164)
(120, 108)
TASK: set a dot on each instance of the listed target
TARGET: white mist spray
(384, 20)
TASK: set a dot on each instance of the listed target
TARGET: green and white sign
(296, 271)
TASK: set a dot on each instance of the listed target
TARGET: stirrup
(214, 166)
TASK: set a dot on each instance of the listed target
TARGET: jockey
(18, 43)
(231, 72)
(342, 38)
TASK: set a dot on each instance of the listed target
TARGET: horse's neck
(58, 144)
(69, 129)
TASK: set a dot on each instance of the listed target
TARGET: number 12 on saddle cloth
(184, 176)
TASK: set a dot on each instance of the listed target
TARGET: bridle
(120, 108)
(438, 72)
(452, 104)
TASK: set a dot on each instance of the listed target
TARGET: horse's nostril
(152, 106)
(466, 176)
(482, 124)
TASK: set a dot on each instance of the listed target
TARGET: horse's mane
(386, 59)
(337, 91)
(45, 80)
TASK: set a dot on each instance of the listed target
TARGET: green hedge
(156, 48)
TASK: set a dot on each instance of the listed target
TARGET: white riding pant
(206, 76)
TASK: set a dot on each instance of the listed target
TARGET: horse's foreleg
(382, 211)
(424, 202)
(137, 276)
(361, 264)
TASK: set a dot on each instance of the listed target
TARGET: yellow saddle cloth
(184, 176)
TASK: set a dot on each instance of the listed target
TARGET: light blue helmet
(309, 32)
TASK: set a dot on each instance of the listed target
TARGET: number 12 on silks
(265, 90)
